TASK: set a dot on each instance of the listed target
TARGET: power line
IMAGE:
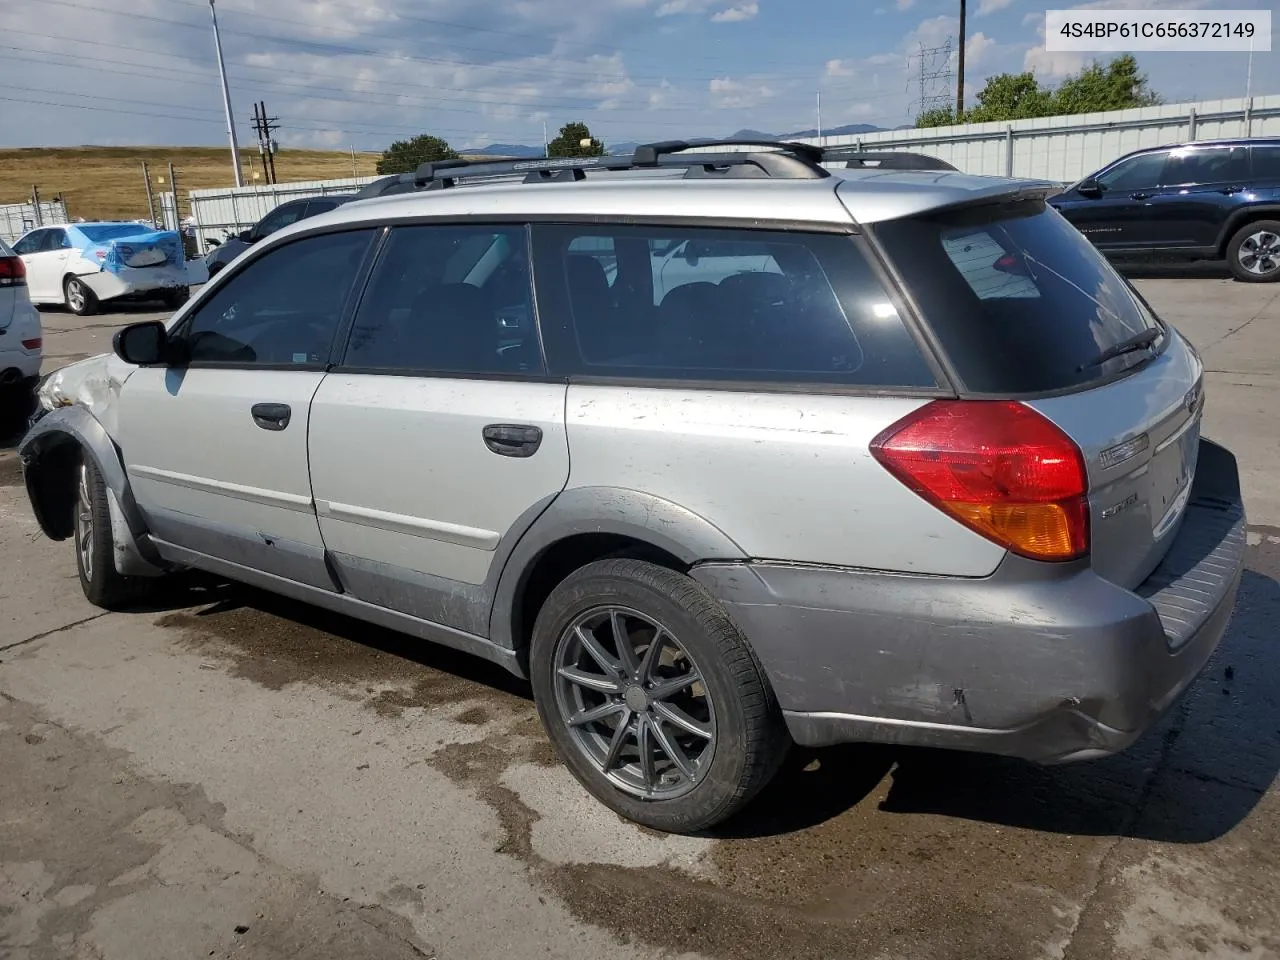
(386, 55)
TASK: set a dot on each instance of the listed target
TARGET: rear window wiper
(1139, 341)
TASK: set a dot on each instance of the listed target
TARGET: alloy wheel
(84, 524)
(634, 702)
(1260, 253)
(75, 295)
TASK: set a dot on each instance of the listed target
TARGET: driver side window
(1134, 173)
(278, 219)
(30, 243)
(282, 308)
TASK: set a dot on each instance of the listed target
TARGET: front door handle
(1230, 190)
(1139, 196)
(512, 439)
(272, 416)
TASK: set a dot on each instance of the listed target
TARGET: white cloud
(729, 94)
(991, 6)
(979, 49)
(839, 68)
(744, 11)
(905, 4)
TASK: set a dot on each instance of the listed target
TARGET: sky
(362, 73)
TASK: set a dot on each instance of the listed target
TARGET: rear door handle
(1230, 190)
(272, 416)
(512, 439)
(1139, 196)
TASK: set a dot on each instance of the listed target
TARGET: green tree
(937, 117)
(1116, 86)
(405, 156)
(1011, 96)
(569, 142)
(1016, 96)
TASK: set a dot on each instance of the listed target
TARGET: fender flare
(643, 517)
(76, 426)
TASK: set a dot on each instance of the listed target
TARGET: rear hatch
(1024, 307)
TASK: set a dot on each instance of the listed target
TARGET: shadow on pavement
(1191, 780)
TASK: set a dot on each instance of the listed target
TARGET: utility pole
(151, 203)
(226, 99)
(546, 144)
(173, 186)
(935, 77)
(355, 170)
(960, 69)
(820, 140)
(264, 126)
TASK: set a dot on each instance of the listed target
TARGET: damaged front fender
(52, 452)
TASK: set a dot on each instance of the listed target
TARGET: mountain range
(525, 150)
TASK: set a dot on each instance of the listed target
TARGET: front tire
(1254, 252)
(80, 300)
(652, 697)
(103, 585)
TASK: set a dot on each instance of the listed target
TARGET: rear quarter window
(1020, 301)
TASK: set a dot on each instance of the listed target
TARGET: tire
(1254, 252)
(103, 585)
(715, 710)
(80, 300)
(173, 299)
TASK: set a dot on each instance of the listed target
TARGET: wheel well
(51, 482)
(1242, 221)
(563, 558)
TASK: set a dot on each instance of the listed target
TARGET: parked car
(721, 451)
(85, 265)
(283, 215)
(1212, 200)
(21, 341)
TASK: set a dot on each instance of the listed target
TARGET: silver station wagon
(723, 446)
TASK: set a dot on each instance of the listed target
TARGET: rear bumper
(1043, 661)
(136, 281)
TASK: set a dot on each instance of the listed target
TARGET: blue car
(1205, 200)
(84, 265)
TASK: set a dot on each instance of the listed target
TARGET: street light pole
(226, 99)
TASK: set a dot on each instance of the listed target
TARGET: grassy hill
(105, 183)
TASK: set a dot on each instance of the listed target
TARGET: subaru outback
(721, 450)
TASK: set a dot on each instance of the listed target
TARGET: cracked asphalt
(229, 774)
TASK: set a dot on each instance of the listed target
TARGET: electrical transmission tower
(264, 126)
(936, 76)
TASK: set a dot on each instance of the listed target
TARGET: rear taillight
(998, 467)
(35, 343)
(13, 272)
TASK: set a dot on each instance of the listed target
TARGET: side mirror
(1090, 188)
(141, 343)
(246, 236)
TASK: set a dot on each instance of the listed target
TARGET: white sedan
(84, 265)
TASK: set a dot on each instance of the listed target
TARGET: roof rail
(783, 160)
(887, 160)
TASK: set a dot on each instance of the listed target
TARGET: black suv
(1202, 200)
(281, 216)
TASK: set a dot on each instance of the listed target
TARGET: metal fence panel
(17, 218)
(217, 212)
(1070, 147)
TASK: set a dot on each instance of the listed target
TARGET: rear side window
(687, 304)
(1020, 300)
(1266, 162)
(448, 299)
(1195, 165)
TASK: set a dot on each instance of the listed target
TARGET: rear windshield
(102, 232)
(1019, 299)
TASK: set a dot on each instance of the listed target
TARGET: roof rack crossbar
(884, 160)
